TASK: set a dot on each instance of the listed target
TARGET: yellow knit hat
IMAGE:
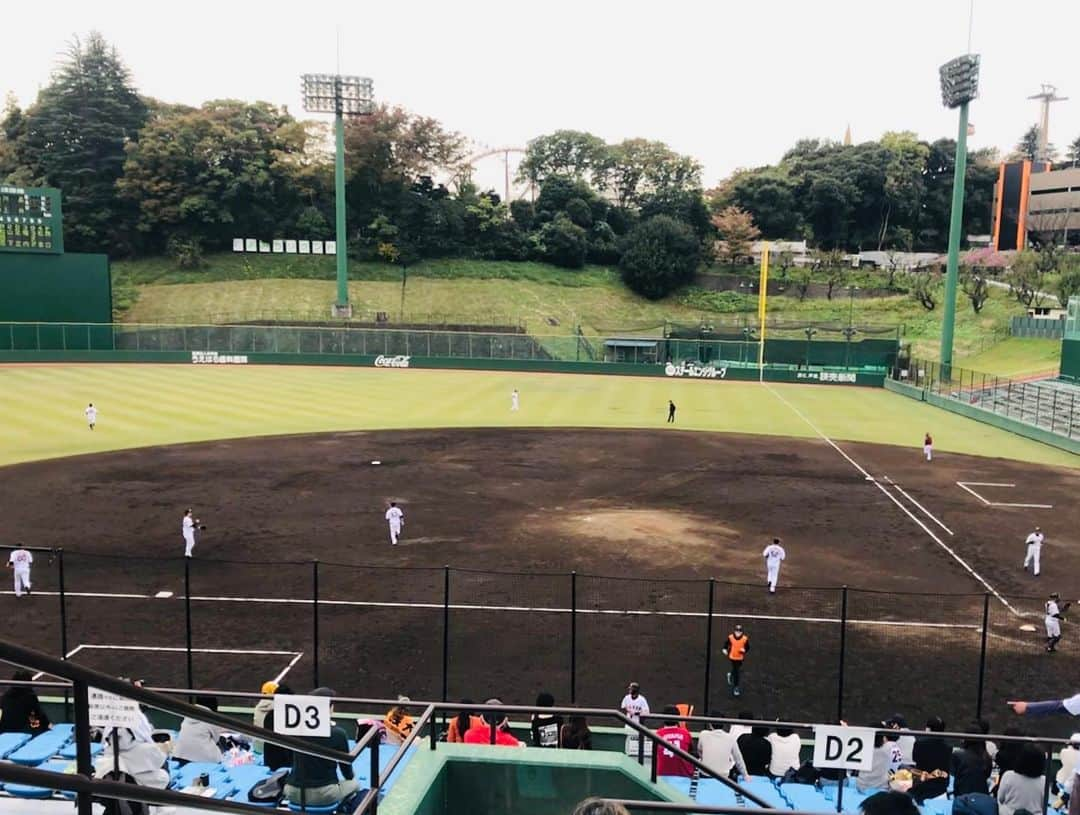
(269, 688)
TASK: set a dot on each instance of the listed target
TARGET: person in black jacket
(971, 766)
(756, 750)
(931, 753)
(275, 757)
(20, 710)
(545, 729)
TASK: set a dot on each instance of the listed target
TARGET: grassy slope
(146, 405)
(236, 287)
(1016, 356)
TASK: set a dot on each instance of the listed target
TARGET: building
(1030, 197)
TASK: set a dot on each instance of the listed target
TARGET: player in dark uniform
(670, 412)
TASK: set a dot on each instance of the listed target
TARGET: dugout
(64, 288)
(632, 349)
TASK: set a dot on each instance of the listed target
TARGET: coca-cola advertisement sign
(399, 361)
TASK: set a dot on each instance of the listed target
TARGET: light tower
(959, 85)
(1047, 95)
(342, 96)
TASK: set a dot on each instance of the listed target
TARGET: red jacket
(667, 763)
(482, 735)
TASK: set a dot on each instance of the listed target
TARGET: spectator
(877, 777)
(667, 763)
(906, 744)
(737, 730)
(930, 754)
(786, 746)
(275, 757)
(1008, 753)
(20, 709)
(314, 780)
(971, 766)
(545, 729)
(198, 741)
(139, 756)
(598, 806)
(888, 803)
(497, 719)
(262, 708)
(634, 705)
(1022, 788)
(398, 724)
(1069, 755)
(892, 741)
(756, 750)
(984, 728)
(720, 752)
(576, 735)
(460, 724)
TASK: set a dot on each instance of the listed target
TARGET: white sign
(214, 358)
(843, 748)
(316, 247)
(302, 715)
(264, 246)
(238, 244)
(109, 710)
(331, 247)
(279, 247)
(696, 371)
(290, 247)
(251, 245)
(304, 247)
(400, 361)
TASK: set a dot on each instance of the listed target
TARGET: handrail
(371, 797)
(679, 806)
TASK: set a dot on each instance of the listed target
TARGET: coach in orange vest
(738, 645)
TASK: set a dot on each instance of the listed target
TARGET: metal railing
(1046, 403)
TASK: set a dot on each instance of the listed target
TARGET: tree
(926, 287)
(563, 243)
(569, 153)
(1027, 276)
(783, 260)
(74, 137)
(802, 278)
(768, 194)
(975, 286)
(737, 232)
(829, 265)
(1072, 153)
(1068, 284)
(1028, 146)
(686, 204)
(658, 256)
(637, 167)
(903, 180)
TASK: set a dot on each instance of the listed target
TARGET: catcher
(1055, 611)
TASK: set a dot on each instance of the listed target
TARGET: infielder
(19, 562)
(1054, 612)
(1034, 549)
(187, 528)
(91, 415)
(396, 518)
(514, 400)
(928, 447)
(774, 554)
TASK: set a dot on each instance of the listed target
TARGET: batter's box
(968, 486)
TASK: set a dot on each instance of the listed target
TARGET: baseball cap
(269, 688)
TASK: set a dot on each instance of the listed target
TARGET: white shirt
(1052, 609)
(1036, 538)
(91, 413)
(635, 708)
(720, 752)
(773, 554)
(21, 560)
(188, 527)
(394, 516)
(785, 753)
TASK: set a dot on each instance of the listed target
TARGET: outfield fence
(1046, 403)
(448, 633)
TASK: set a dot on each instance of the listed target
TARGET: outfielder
(774, 554)
(1034, 549)
(19, 562)
(514, 400)
(396, 518)
(928, 447)
(1054, 612)
(91, 415)
(187, 528)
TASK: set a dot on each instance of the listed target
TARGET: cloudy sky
(731, 83)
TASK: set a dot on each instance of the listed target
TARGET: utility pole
(1046, 96)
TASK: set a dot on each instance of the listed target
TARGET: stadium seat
(807, 797)
(27, 791)
(70, 750)
(715, 793)
(10, 742)
(244, 778)
(185, 776)
(764, 789)
(41, 748)
(679, 782)
(326, 809)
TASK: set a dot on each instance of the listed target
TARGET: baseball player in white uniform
(514, 403)
(19, 562)
(91, 415)
(396, 518)
(1054, 612)
(187, 528)
(774, 555)
(1034, 549)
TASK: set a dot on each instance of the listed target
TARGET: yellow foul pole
(763, 296)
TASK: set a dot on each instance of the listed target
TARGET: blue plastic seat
(807, 797)
(679, 782)
(27, 791)
(41, 748)
(325, 809)
(70, 750)
(764, 789)
(10, 742)
(715, 793)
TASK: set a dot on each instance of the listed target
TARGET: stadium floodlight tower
(343, 96)
(959, 85)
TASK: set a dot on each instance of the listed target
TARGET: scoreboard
(30, 220)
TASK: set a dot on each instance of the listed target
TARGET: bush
(579, 213)
(523, 213)
(563, 243)
(185, 251)
(658, 256)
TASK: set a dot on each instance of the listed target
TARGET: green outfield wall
(70, 288)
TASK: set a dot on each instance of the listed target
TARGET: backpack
(270, 790)
(974, 803)
(115, 806)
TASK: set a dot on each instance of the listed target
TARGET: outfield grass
(165, 404)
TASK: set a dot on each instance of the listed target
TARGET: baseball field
(661, 524)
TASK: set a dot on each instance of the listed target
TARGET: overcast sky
(732, 84)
